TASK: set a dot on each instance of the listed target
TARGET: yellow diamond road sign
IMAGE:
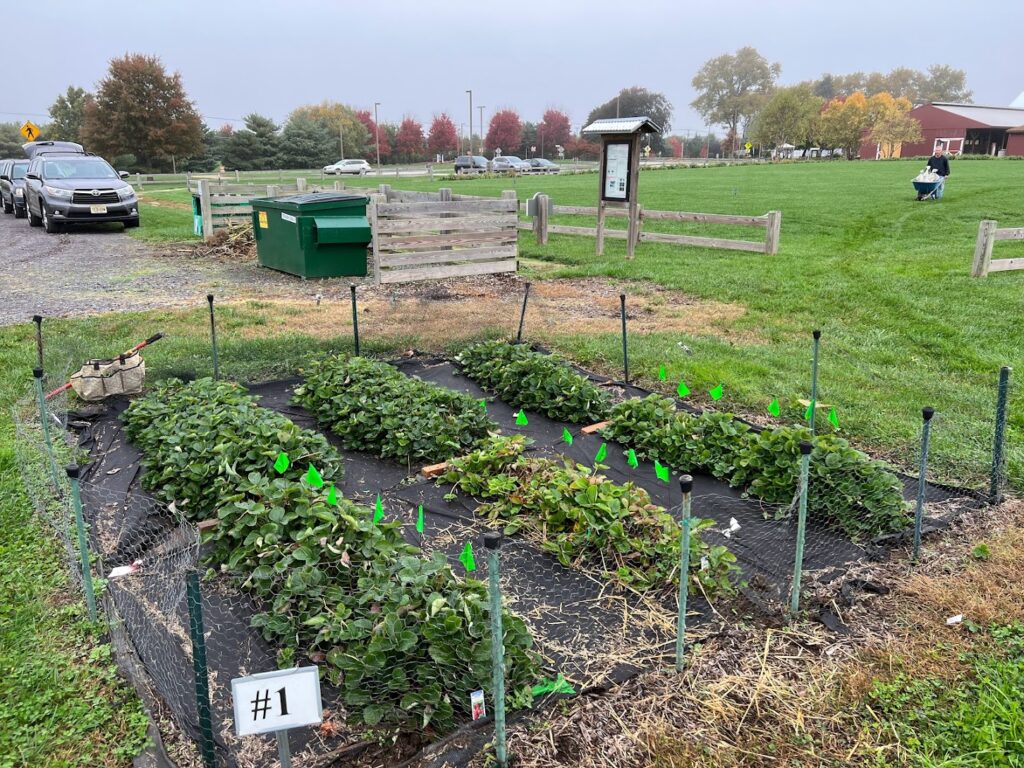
(748, 146)
(30, 130)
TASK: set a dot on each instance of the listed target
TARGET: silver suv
(64, 186)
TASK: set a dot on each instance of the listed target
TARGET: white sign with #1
(277, 701)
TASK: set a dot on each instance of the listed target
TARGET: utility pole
(341, 140)
(376, 130)
(470, 122)
(481, 108)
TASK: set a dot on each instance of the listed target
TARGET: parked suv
(358, 167)
(510, 164)
(470, 164)
(12, 186)
(64, 188)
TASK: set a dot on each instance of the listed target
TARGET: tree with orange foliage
(843, 122)
(891, 123)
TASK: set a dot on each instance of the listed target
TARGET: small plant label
(276, 701)
(477, 705)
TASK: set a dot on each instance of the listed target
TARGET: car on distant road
(542, 165)
(470, 164)
(510, 164)
(12, 186)
(63, 188)
(357, 167)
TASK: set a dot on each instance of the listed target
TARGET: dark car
(540, 165)
(65, 188)
(12, 186)
(470, 164)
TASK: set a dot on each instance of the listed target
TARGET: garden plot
(586, 630)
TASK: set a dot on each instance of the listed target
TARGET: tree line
(141, 118)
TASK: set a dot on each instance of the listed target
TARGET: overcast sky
(419, 57)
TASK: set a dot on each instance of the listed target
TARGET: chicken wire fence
(141, 553)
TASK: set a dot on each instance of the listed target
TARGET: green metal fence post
(814, 377)
(202, 682)
(44, 421)
(801, 526)
(492, 543)
(995, 494)
(625, 345)
(213, 338)
(83, 544)
(522, 315)
(355, 319)
(926, 414)
(686, 486)
(38, 320)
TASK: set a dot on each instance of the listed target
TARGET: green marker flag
(834, 418)
(313, 477)
(631, 459)
(774, 409)
(332, 496)
(483, 404)
(378, 510)
(466, 558)
(566, 436)
(662, 376)
(809, 411)
(602, 453)
(419, 519)
(558, 685)
(660, 471)
(717, 392)
(521, 420)
(682, 389)
(282, 462)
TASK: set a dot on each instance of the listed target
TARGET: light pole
(470, 122)
(341, 139)
(481, 108)
(376, 130)
(462, 136)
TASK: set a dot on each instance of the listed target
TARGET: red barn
(967, 129)
(1015, 141)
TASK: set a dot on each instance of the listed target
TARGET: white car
(358, 167)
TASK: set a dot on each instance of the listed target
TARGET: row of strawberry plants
(371, 406)
(534, 381)
(580, 515)
(398, 633)
(847, 489)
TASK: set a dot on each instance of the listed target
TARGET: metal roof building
(965, 128)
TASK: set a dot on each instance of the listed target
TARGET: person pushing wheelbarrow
(931, 182)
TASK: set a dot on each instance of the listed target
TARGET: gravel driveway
(91, 270)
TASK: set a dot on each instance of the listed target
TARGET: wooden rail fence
(988, 234)
(426, 236)
(225, 204)
(541, 209)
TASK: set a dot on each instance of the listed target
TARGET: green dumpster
(320, 234)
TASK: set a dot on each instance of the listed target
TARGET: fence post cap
(492, 540)
(686, 483)
(37, 373)
(927, 412)
(72, 470)
(816, 334)
(209, 297)
(37, 319)
(806, 447)
(622, 296)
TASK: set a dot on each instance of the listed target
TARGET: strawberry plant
(580, 515)
(400, 636)
(847, 490)
(374, 407)
(534, 381)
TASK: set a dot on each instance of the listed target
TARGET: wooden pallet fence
(988, 234)
(437, 238)
(771, 222)
(222, 205)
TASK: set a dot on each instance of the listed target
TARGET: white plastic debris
(733, 527)
(126, 570)
(953, 620)
(704, 563)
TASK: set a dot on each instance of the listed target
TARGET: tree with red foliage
(409, 141)
(443, 137)
(582, 149)
(677, 146)
(505, 132)
(366, 118)
(551, 131)
(142, 111)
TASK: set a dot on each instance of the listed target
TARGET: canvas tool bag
(98, 379)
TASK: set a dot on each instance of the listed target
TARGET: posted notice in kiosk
(616, 171)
